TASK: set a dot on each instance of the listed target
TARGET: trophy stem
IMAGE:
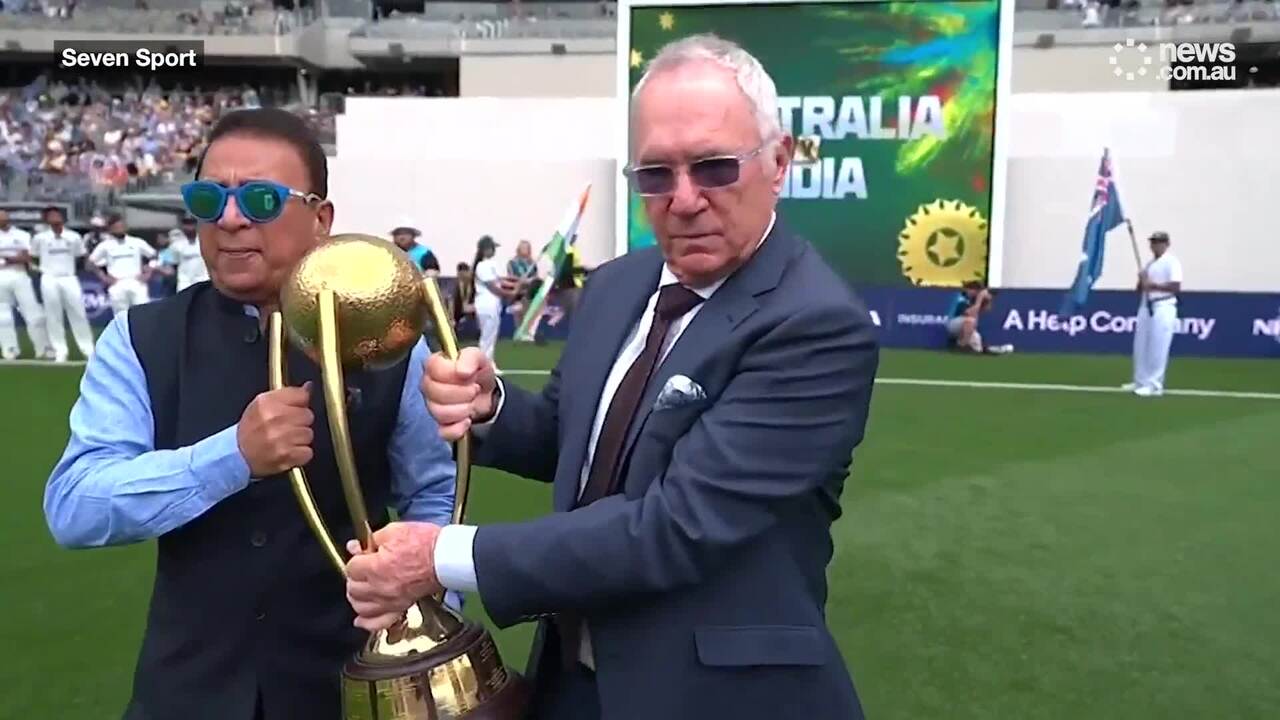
(336, 404)
(298, 481)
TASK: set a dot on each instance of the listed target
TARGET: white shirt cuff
(455, 565)
(481, 429)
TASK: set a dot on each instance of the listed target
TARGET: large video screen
(893, 107)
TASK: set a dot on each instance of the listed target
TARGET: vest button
(258, 538)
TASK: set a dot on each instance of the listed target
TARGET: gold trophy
(358, 302)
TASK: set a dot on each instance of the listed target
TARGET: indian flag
(566, 233)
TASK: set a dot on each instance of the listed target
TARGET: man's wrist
(220, 460)
(452, 557)
(496, 396)
(431, 553)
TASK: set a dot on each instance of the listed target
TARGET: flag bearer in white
(490, 289)
(57, 250)
(16, 290)
(123, 257)
(1160, 281)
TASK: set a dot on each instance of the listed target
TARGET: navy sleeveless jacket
(245, 602)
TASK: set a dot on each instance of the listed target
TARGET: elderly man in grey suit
(697, 429)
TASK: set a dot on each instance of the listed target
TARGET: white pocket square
(680, 390)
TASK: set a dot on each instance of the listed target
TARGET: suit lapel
(610, 319)
(709, 330)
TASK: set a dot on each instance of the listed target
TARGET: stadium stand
(87, 145)
(181, 17)
(1042, 15)
(91, 143)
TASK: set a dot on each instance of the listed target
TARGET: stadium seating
(1043, 16)
(167, 17)
(88, 146)
(404, 27)
(91, 180)
(415, 27)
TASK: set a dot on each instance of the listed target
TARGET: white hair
(752, 79)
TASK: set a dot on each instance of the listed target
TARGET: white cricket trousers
(16, 291)
(1152, 338)
(125, 294)
(489, 321)
(62, 296)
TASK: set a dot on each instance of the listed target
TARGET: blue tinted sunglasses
(260, 201)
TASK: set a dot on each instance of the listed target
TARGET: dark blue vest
(245, 602)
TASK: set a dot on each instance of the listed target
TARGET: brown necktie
(673, 302)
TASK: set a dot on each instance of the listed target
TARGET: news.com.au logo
(1180, 61)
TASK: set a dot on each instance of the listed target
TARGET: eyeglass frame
(630, 170)
(229, 194)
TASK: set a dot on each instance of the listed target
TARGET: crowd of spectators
(1133, 13)
(190, 17)
(280, 17)
(69, 142)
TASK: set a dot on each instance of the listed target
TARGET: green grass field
(1005, 553)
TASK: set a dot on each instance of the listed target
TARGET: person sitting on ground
(962, 326)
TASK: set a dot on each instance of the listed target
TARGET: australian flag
(1104, 215)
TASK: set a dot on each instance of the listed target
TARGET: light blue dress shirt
(112, 487)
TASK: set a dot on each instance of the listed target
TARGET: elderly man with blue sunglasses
(176, 437)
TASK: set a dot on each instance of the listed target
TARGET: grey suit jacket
(703, 581)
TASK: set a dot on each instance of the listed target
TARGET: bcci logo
(944, 243)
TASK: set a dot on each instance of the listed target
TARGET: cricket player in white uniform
(183, 254)
(1160, 281)
(57, 250)
(126, 259)
(16, 290)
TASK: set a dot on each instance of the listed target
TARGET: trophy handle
(335, 403)
(448, 342)
(276, 371)
(426, 624)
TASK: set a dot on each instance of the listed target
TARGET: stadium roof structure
(160, 199)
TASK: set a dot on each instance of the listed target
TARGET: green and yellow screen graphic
(893, 109)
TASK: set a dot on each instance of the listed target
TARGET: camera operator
(962, 326)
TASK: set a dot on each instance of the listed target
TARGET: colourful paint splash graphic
(874, 83)
(943, 49)
(639, 231)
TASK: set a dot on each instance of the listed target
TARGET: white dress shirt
(1164, 269)
(454, 560)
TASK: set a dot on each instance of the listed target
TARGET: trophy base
(463, 678)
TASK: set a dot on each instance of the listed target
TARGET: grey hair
(750, 75)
